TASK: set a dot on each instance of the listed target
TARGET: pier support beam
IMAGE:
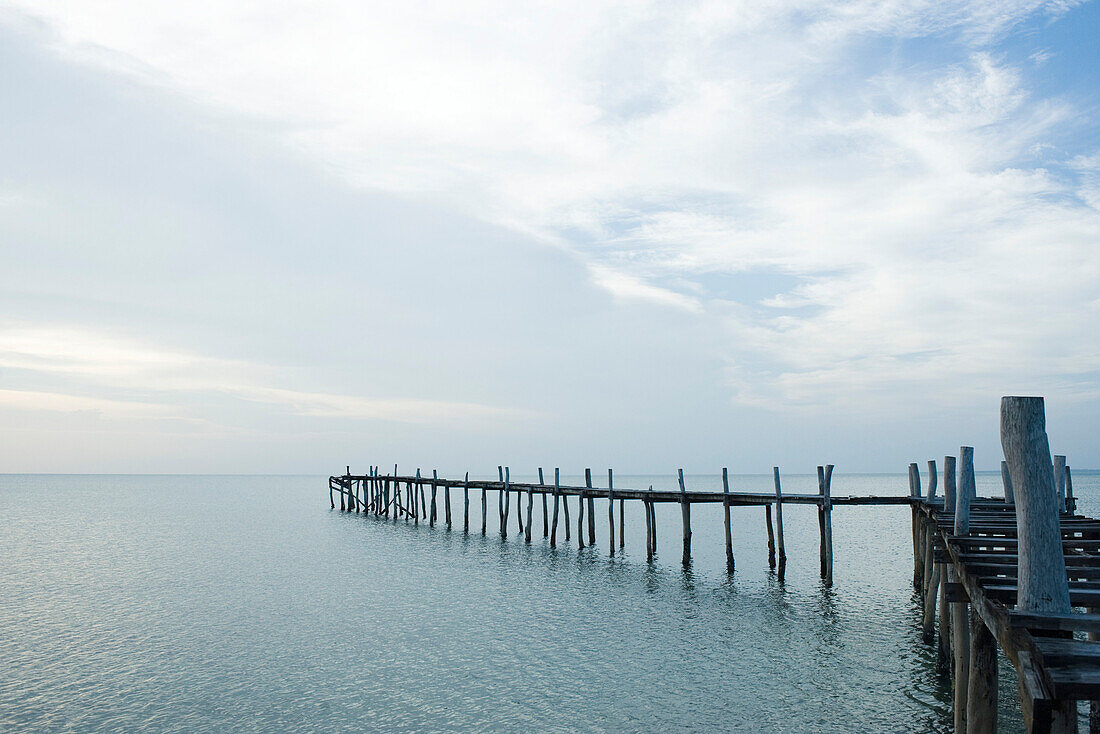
(557, 497)
(981, 698)
(610, 513)
(960, 622)
(726, 519)
(685, 516)
(779, 522)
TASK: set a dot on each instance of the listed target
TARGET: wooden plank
(1068, 622)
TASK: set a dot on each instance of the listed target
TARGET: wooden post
(1042, 585)
(446, 503)
(981, 699)
(771, 535)
(931, 590)
(960, 623)
(1006, 481)
(685, 516)
(611, 513)
(507, 499)
(433, 515)
(519, 513)
(821, 516)
(779, 521)
(918, 551)
(1071, 502)
(331, 499)
(580, 508)
(828, 524)
(530, 504)
(726, 519)
(564, 509)
(933, 479)
(652, 514)
(466, 504)
(622, 524)
(484, 507)
(591, 511)
(418, 498)
(647, 507)
(966, 479)
(949, 483)
(545, 517)
(554, 522)
(943, 648)
(1060, 481)
(501, 499)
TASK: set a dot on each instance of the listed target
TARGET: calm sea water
(243, 603)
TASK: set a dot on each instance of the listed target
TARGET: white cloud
(667, 141)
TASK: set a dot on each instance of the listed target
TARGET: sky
(288, 237)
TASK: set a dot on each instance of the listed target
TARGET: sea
(203, 603)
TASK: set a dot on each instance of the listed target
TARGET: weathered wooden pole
(331, 498)
(466, 504)
(446, 503)
(960, 623)
(545, 517)
(1071, 503)
(918, 551)
(949, 483)
(1060, 481)
(591, 511)
(1042, 585)
(519, 511)
(653, 515)
(435, 487)
(622, 524)
(685, 516)
(530, 504)
(610, 513)
(484, 508)
(828, 524)
(418, 495)
(726, 519)
(647, 506)
(821, 517)
(554, 522)
(507, 498)
(981, 699)
(771, 535)
(779, 521)
(966, 477)
(931, 590)
(943, 647)
(564, 509)
(580, 508)
(1006, 481)
(933, 479)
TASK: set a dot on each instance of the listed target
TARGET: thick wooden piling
(519, 512)
(779, 521)
(507, 501)
(685, 516)
(931, 589)
(622, 523)
(1041, 582)
(981, 698)
(484, 509)
(647, 506)
(610, 513)
(1071, 503)
(466, 504)
(726, 519)
(933, 479)
(653, 515)
(943, 647)
(960, 621)
(557, 497)
(918, 552)
(331, 498)
(502, 498)
(949, 483)
(446, 503)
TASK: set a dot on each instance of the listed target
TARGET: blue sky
(643, 235)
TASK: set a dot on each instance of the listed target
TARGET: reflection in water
(244, 603)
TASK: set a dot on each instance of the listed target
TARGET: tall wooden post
(933, 479)
(1060, 481)
(918, 552)
(726, 519)
(580, 508)
(960, 622)
(771, 535)
(591, 511)
(1042, 585)
(432, 516)
(564, 509)
(545, 517)
(554, 523)
(779, 521)
(611, 513)
(502, 497)
(685, 516)
(466, 504)
(1071, 503)
(949, 483)
(507, 501)
(530, 504)
(981, 699)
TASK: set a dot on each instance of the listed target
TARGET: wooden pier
(1003, 571)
